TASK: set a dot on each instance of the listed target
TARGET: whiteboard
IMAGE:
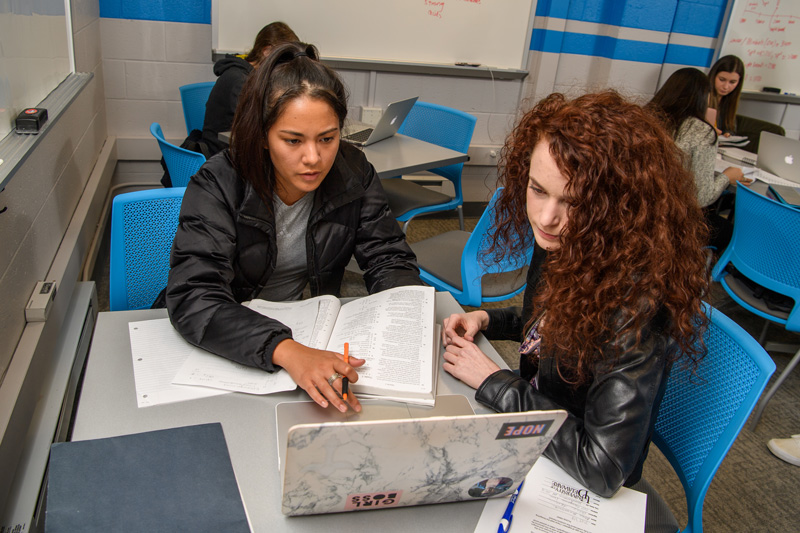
(765, 34)
(35, 55)
(493, 33)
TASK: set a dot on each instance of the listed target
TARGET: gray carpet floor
(753, 491)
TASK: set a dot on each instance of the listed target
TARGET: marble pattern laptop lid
(353, 466)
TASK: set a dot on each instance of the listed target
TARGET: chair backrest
(701, 414)
(182, 164)
(194, 97)
(765, 247)
(474, 264)
(443, 126)
(143, 225)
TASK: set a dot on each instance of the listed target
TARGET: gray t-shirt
(291, 270)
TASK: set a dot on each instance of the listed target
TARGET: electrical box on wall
(41, 301)
(371, 115)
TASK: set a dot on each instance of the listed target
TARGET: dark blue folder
(178, 479)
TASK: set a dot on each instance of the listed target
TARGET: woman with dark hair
(682, 105)
(682, 102)
(614, 286)
(726, 77)
(286, 206)
(232, 71)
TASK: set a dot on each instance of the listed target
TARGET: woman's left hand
(464, 360)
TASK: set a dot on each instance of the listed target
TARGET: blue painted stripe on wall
(641, 14)
(597, 45)
(696, 18)
(679, 54)
(547, 41)
(190, 11)
(656, 15)
(552, 8)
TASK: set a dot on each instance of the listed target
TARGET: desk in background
(400, 155)
(107, 407)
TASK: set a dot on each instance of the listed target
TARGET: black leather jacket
(225, 251)
(605, 439)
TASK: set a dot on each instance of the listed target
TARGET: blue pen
(505, 522)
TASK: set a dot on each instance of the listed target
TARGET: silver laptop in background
(780, 155)
(415, 456)
(363, 134)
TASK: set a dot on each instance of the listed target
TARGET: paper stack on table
(551, 500)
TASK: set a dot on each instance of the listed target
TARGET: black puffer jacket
(225, 251)
(232, 72)
(606, 437)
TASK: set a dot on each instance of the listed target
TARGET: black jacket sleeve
(381, 249)
(606, 446)
(199, 298)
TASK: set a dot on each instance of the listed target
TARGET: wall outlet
(484, 155)
(371, 115)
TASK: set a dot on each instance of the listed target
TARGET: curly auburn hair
(632, 247)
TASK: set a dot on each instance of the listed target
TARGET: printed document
(551, 501)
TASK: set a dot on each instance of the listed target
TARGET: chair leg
(763, 335)
(460, 217)
(764, 399)
(405, 225)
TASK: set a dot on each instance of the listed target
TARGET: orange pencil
(344, 379)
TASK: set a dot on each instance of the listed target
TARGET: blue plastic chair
(765, 249)
(442, 126)
(454, 262)
(182, 164)
(193, 98)
(143, 225)
(702, 414)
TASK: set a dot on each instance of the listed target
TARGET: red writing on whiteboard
(434, 8)
(768, 12)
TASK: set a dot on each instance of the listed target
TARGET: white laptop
(397, 455)
(780, 155)
(364, 135)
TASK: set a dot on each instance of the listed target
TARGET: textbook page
(394, 331)
(158, 352)
(311, 322)
(552, 501)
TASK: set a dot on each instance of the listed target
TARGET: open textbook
(394, 331)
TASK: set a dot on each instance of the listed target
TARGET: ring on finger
(333, 378)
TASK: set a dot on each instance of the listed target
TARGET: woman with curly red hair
(614, 287)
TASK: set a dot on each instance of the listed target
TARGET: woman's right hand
(464, 325)
(734, 175)
(311, 368)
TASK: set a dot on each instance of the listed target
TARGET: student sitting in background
(725, 82)
(614, 286)
(286, 206)
(726, 78)
(232, 71)
(682, 104)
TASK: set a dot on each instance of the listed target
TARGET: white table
(400, 155)
(107, 407)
